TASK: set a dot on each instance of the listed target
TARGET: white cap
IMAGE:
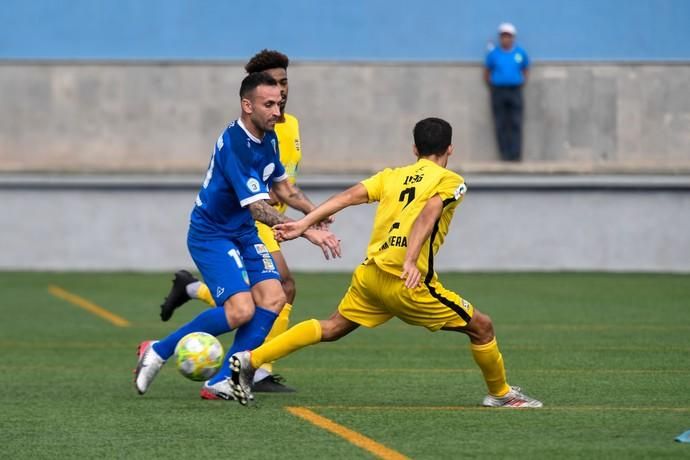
(507, 28)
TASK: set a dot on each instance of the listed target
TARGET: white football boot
(219, 390)
(515, 398)
(147, 367)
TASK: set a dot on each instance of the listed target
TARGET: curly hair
(267, 59)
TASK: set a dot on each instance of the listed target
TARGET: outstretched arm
(267, 214)
(357, 194)
(293, 196)
(421, 230)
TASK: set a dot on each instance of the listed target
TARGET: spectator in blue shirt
(506, 73)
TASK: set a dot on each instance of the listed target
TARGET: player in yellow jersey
(186, 286)
(397, 278)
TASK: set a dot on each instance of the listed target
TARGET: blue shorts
(232, 265)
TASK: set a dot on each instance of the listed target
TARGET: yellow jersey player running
(397, 278)
(186, 286)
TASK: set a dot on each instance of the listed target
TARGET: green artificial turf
(607, 353)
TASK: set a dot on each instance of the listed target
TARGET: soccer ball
(198, 356)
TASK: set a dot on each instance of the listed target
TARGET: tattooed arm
(267, 214)
(293, 196)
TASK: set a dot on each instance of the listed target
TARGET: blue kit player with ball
(223, 240)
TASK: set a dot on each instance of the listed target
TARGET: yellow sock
(490, 361)
(205, 295)
(299, 336)
(279, 326)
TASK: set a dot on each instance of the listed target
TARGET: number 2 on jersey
(407, 193)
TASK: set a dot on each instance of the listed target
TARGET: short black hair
(265, 60)
(432, 136)
(253, 80)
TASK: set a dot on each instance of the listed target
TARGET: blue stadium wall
(354, 30)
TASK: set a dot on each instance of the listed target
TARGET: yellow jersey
(402, 193)
(290, 150)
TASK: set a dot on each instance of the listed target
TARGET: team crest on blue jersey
(253, 185)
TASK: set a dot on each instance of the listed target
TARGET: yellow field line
(488, 409)
(359, 440)
(88, 306)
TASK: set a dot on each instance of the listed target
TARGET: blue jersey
(505, 67)
(241, 171)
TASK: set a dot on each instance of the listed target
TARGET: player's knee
(275, 302)
(482, 327)
(238, 313)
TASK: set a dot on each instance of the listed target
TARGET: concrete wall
(634, 223)
(354, 117)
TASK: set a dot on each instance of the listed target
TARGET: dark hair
(253, 80)
(432, 136)
(267, 59)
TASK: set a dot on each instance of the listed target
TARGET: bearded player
(186, 286)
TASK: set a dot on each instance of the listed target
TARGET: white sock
(193, 289)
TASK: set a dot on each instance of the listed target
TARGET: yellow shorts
(375, 296)
(266, 235)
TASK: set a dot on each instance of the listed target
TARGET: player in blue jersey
(223, 240)
(186, 286)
